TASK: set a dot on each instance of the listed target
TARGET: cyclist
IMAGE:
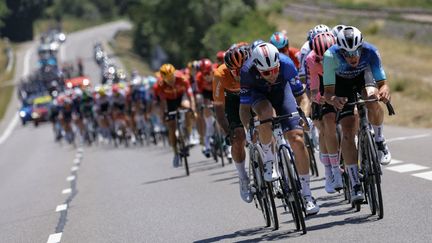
(171, 89)
(307, 46)
(226, 95)
(220, 58)
(280, 40)
(265, 84)
(205, 87)
(355, 66)
(323, 114)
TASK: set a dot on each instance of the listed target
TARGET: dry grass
(69, 25)
(407, 64)
(122, 47)
(5, 91)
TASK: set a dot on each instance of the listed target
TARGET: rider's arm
(218, 102)
(379, 75)
(329, 79)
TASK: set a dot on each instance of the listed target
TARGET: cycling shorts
(232, 106)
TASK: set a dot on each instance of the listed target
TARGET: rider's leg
(238, 152)
(171, 125)
(349, 150)
(264, 110)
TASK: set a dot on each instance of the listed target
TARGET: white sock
(379, 136)
(268, 153)
(209, 126)
(305, 190)
(207, 142)
(241, 169)
(327, 166)
(353, 174)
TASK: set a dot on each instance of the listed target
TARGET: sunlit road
(53, 192)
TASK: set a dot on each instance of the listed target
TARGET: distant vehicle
(41, 107)
(81, 81)
(25, 113)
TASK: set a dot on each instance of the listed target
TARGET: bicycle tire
(272, 205)
(221, 150)
(254, 166)
(291, 172)
(312, 160)
(375, 185)
(286, 196)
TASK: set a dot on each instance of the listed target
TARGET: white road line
(395, 162)
(61, 207)
(15, 119)
(76, 161)
(407, 137)
(424, 175)
(9, 128)
(80, 150)
(70, 178)
(78, 156)
(74, 168)
(67, 191)
(407, 168)
(54, 238)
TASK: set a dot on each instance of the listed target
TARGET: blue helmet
(279, 39)
(256, 43)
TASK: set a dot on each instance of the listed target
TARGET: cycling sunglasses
(355, 53)
(269, 72)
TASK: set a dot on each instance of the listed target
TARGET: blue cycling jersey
(251, 80)
(335, 64)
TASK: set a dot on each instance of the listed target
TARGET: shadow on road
(266, 234)
(163, 179)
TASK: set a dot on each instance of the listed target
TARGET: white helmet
(337, 28)
(349, 38)
(265, 56)
(321, 28)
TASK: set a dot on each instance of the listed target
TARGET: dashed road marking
(61, 207)
(70, 178)
(407, 168)
(77, 161)
(54, 238)
(395, 162)
(424, 175)
(407, 137)
(67, 191)
(74, 168)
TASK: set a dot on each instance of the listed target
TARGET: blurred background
(182, 30)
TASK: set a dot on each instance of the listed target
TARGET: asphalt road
(134, 195)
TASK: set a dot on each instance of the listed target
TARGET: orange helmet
(167, 72)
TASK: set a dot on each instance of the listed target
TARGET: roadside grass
(375, 4)
(69, 24)
(123, 49)
(5, 90)
(407, 65)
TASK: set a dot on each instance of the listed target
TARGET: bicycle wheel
(221, 149)
(291, 173)
(257, 178)
(286, 191)
(311, 151)
(375, 177)
(268, 189)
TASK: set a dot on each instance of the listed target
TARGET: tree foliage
(188, 29)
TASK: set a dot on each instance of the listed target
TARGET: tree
(18, 24)
(179, 26)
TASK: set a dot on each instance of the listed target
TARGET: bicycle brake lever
(390, 109)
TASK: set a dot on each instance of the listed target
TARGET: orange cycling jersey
(204, 82)
(172, 92)
(293, 55)
(223, 80)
